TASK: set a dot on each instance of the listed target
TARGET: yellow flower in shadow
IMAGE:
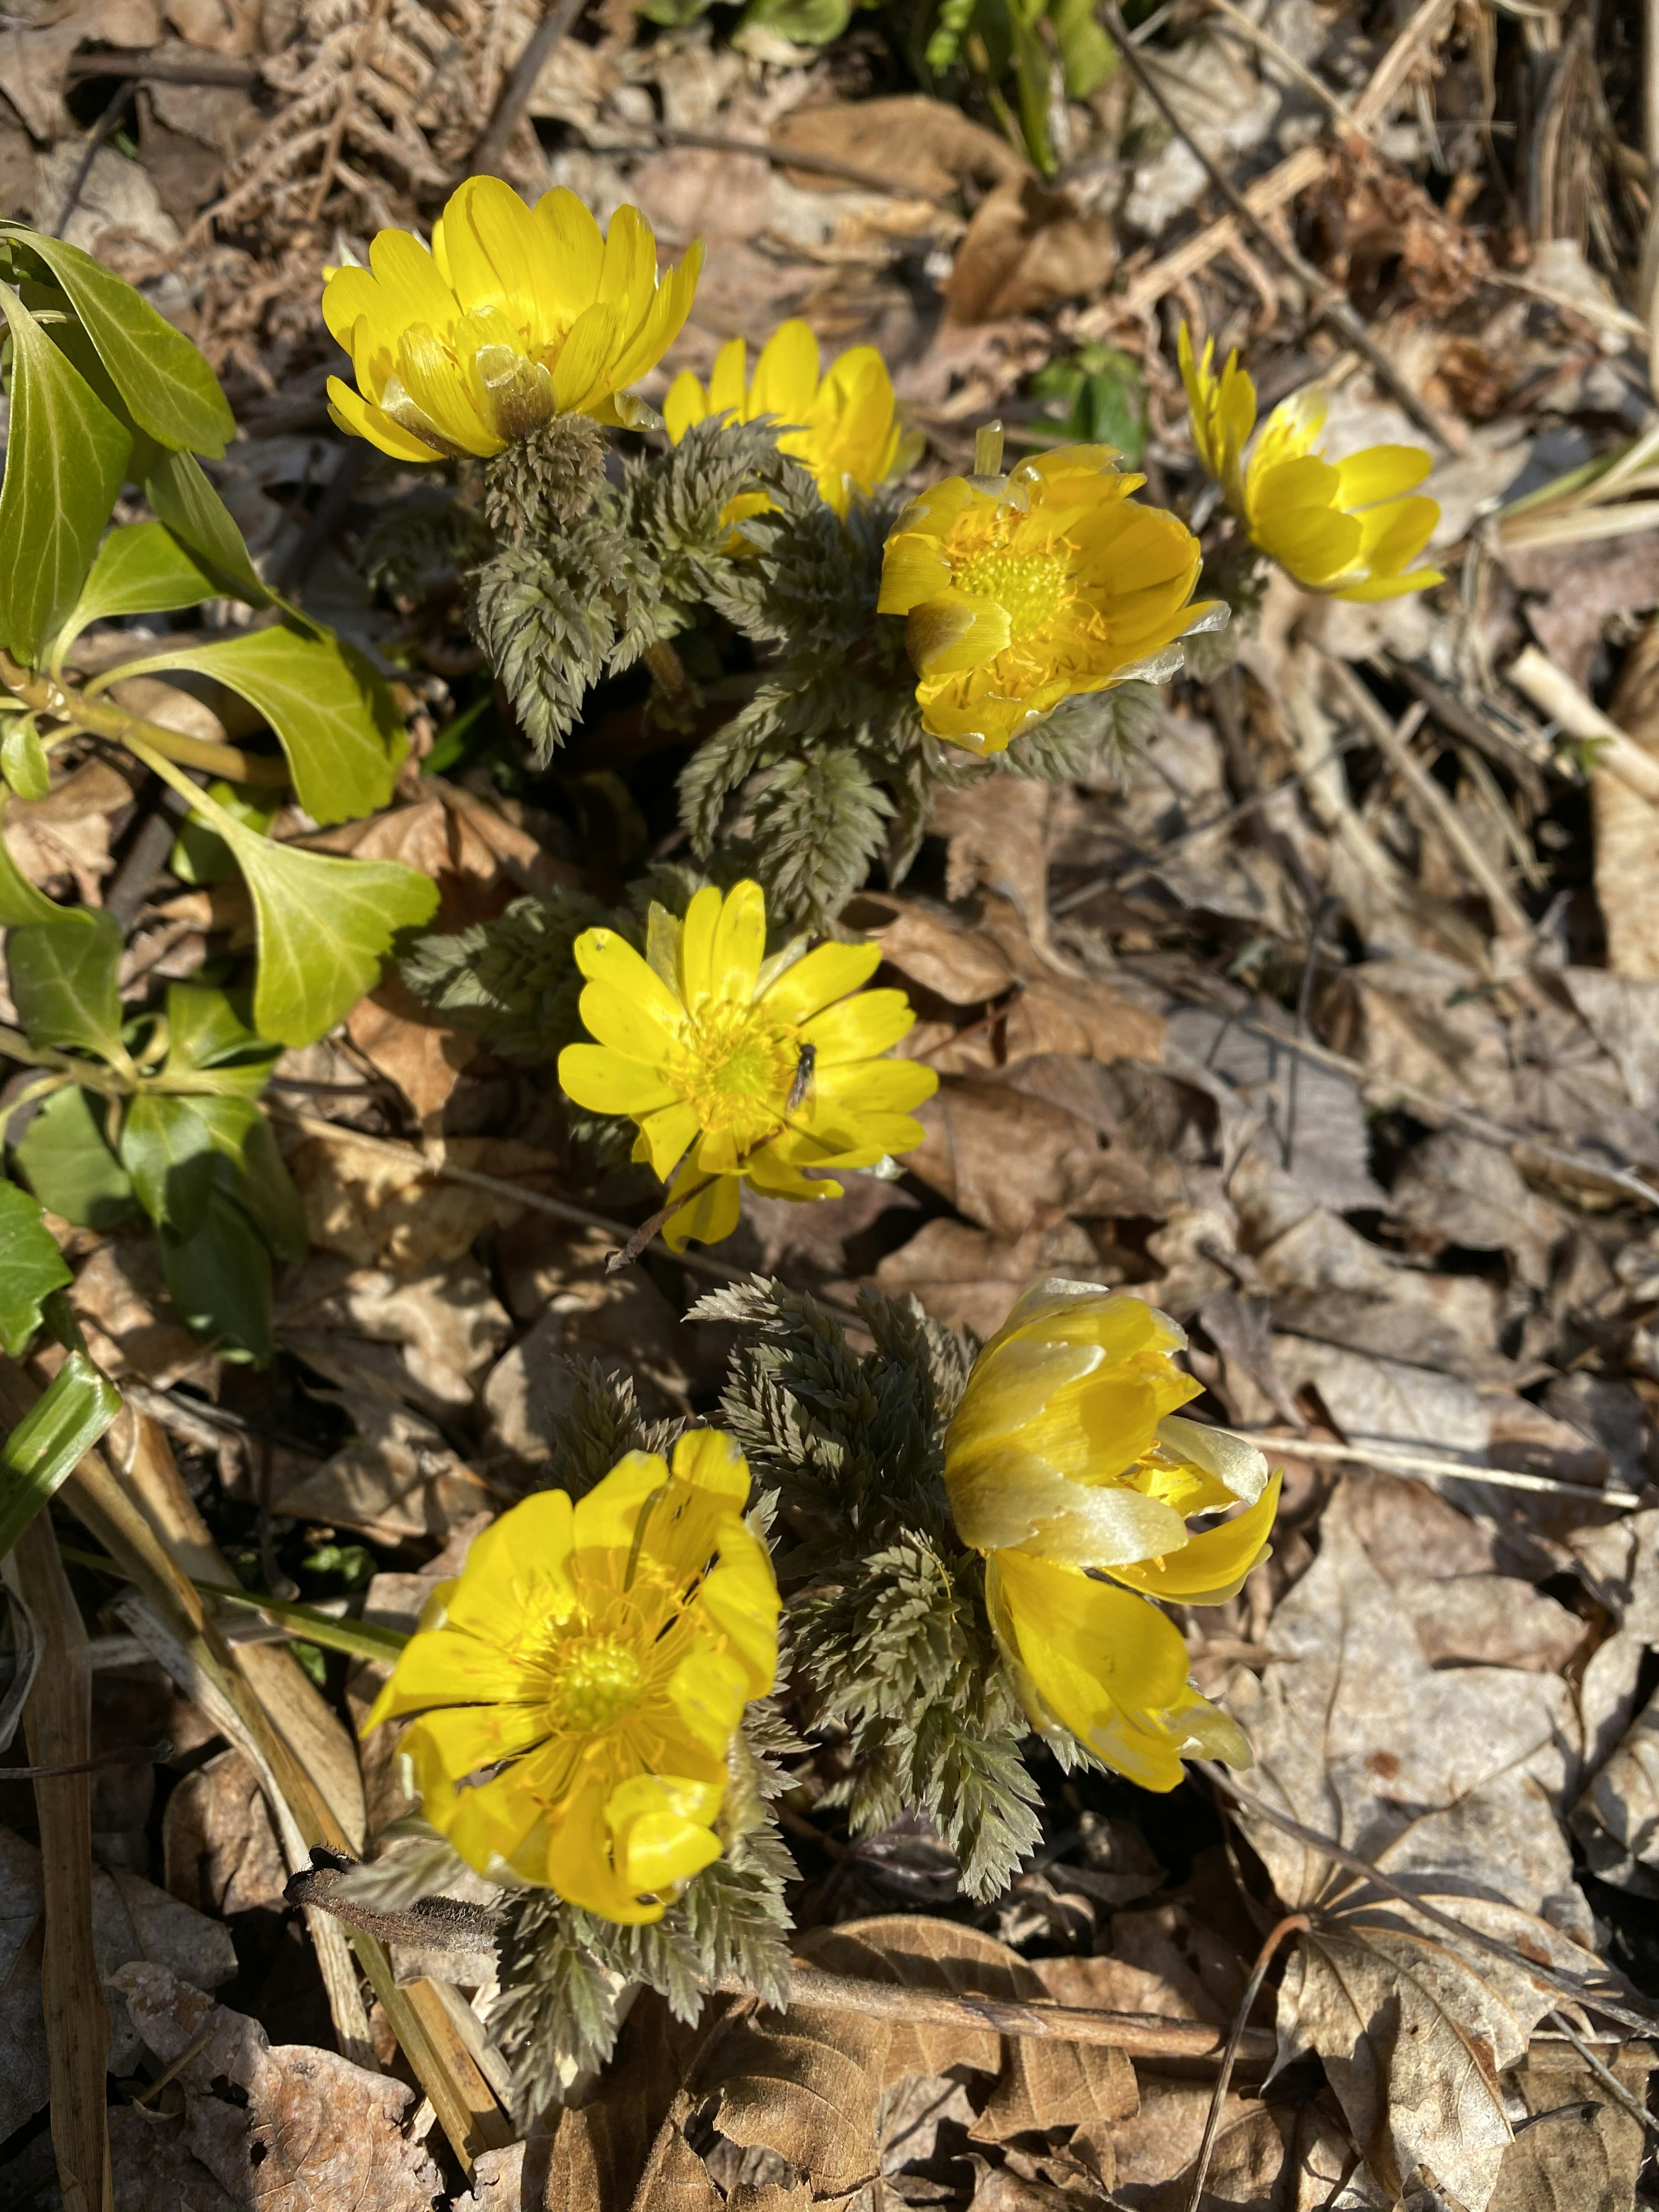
(740, 1068)
(1019, 591)
(1343, 528)
(847, 429)
(516, 314)
(579, 1684)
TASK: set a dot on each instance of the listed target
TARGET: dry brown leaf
(397, 1480)
(1010, 1163)
(222, 26)
(316, 2134)
(1626, 827)
(529, 1390)
(219, 1847)
(412, 1048)
(66, 834)
(121, 1302)
(371, 1208)
(969, 1279)
(1451, 1781)
(926, 144)
(1028, 248)
(132, 1920)
(1581, 2150)
(424, 1339)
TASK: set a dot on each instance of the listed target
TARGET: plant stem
(114, 723)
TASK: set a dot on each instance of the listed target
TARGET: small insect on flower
(1022, 590)
(516, 315)
(739, 1069)
(1342, 528)
(579, 1684)
(846, 426)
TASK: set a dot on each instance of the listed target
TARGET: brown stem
(1291, 1924)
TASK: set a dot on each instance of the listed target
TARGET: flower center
(738, 1072)
(592, 1686)
(1030, 586)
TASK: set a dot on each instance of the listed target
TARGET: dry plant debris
(1322, 1012)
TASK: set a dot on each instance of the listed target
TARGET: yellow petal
(606, 956)
(435, 383)
(697, 936)
(738, 946)
(603, 1082)
(816, 981)
(956, 632)
(607, 1518)
(664, 319)
(787, 374)
(446, 1666)
(709, 1690)
(515, 1570)
(575, 251)
(709, 1217)
(913, 570)
(726, 385)
(355, 414)
(881, 1086)
(1209, 1567)
(1381, 472)
(683, 405)
(668, 1134)
(710, 1460)
(617, 1018)
(661, 1826)
(581, 375)
(860, 1027)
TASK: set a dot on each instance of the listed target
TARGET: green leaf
(166, 382)
(342, 734)
(64, 984)
(23, 758)
(31, 1266)
(169, 1145)
(808, 23)
(268, 1192)
(141, 568)
(363, 1639)
(22, 903)
(205, 1028)
(200, 855)
(1087, 55)
(52, 1440)
(176, 486)
(219, 1278)
(69, 1165)
(66, 457)
(322, 924)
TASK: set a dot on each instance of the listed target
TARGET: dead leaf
(1451, 1781)
(529, 1389)
(967, 1278)
(314, 2131)
(121, 1302)
(1626, 827)
(397, 1480)
(925, 144)
(220, 1848)
(1454, 1190)
(412, 1048)
(424, 1339)
(222, 26)
(371, 1208)
(1010, 1163)
(67, 832)
(132, 1920)
(1028, 248)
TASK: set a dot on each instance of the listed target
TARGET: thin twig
(1293, 1923)
(1324, 300)
(561, 17)
(1409, 1463)
(101, 131)
(126, 1755)
(1605, 2077)
(1643, 2020)
(780, 157)
(1298, 72)
(160, 67)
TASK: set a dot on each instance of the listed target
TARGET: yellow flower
(849, 434)
(736, 1066)
(517, 315)
(579, 1684)
(1022, 590)
(1343, 528)
(1103, 1666)
(1066, 1446)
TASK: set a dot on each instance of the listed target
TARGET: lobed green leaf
(68, 1165)
(30, 1268)
(64, 983)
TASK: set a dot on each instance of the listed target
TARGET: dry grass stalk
(58, 1721)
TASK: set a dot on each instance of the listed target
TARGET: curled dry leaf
(1451, 1781)
(314, 2134)
(926, 144)
(220, 1848)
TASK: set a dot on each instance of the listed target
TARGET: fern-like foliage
(824, 769)
(890, 1648)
